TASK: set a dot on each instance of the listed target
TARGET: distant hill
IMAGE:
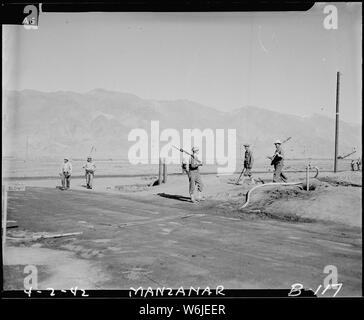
(53, 124)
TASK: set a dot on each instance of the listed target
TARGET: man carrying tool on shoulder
(90, 168)
(193, 173)
(194, 176)
(277, 162)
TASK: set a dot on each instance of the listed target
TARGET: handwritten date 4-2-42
(52, 292)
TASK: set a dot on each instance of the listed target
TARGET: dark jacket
(248, 159)
(278, 157)
(194, 164)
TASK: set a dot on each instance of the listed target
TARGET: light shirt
(66, 167)
(89, 166)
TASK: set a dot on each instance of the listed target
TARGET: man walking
(65, 173)
(278, 162)
(194, 176)
(248, 162)
(356, 163)
(90, 168)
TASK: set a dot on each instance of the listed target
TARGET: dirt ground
(134, 234)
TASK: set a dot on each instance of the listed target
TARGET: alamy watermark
(219, 146)
(331, 18)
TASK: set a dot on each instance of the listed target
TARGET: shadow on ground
(174, 196)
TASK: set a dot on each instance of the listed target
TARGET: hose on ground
(268, 184)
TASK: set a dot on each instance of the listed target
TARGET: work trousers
(247, 172)
(195, 179)
(89, 178)
(66, 180)
(278, 175)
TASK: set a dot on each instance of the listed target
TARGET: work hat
(278, 142)
(66, 158)
(246, 145)
(89, 157)
(195, 149)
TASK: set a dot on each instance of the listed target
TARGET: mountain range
(51, 124)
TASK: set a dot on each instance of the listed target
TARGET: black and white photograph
(190, 152)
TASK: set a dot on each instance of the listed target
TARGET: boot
(193, 198)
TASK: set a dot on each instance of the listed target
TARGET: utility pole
(337, 120)
(27, 148)
(160, 173)
(164, 171)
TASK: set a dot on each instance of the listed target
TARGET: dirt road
(155, 240)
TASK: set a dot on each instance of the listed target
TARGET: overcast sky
(285, 62)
